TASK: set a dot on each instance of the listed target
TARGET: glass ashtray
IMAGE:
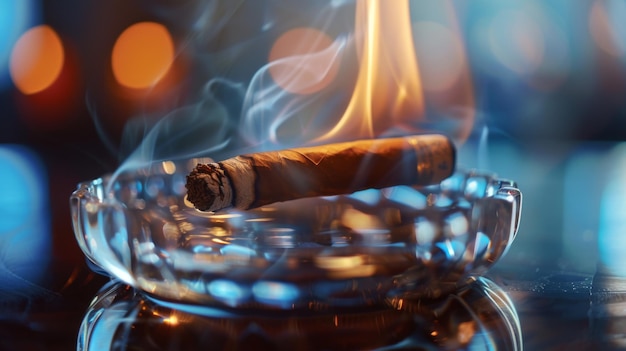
(349, 250)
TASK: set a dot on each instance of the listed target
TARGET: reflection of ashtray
(479, 316)
(349, 250)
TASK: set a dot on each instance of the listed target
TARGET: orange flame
(389, 95)
(386, 60)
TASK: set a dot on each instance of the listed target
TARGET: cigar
(253, 180)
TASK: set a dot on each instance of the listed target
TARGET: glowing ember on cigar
(253, 180)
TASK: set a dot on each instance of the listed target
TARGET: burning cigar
(254, 180)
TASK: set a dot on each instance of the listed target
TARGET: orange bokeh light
(36, 60)
(302, 61)
(142, 55)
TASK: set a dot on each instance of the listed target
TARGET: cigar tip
(205, 187)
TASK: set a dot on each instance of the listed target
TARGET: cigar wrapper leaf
(254, 180)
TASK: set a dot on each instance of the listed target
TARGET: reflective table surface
(511, 309)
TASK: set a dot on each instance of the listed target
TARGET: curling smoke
(195, 130)
(357, 84)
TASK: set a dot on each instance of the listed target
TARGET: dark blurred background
(82, 81)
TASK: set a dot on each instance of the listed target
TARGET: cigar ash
(210, 176)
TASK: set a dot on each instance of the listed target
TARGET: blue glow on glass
(369, 196)
(16, 16)
(475, 187)
(24, 217)
(154, 186)
(407, 196)
(481, 245)
(228, 290)
(277, 293)
(452, 249)
(237, 251)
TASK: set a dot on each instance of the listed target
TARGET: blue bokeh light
(24, 218)
(611, 238)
